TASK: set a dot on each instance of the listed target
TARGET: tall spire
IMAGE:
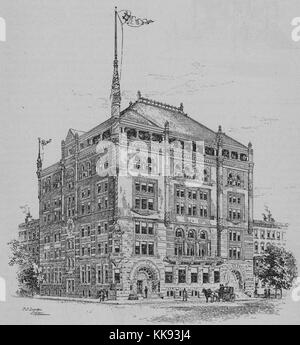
(115, 87)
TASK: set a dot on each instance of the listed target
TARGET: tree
(277, 268)
(29, 274)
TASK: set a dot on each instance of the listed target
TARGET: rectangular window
(205, 278)
(181, 276)
(137, 248)
(144, 204)
(117, 277)
(144, 187)
(150, 229)
(137, 186)
(150, 204)
(151, 248)
(137, 227)
(216, 276)
(150, 188)
(194, 277)
(144, 228)
(144, 248)
(168, 277)
(137, 203)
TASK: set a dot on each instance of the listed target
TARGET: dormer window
(243, 157)
(234, 155)
(225, 153)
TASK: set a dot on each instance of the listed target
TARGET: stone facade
(29, 237)
(151, 227)
(267, 232)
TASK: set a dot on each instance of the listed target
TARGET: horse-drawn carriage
(224, 294)
(228, 294)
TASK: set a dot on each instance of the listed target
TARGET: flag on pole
(45, 142)
(127, 18)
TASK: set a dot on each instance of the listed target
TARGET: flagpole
(116, 38)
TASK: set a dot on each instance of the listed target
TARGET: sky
(232, 63)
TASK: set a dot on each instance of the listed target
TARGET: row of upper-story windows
(269, 234)
(191, 249)
(54, 203)
(196, 194)
(192, 210)
(145, 228)
(235, 253)
(234, 236)
(144, 248)
(261, 247)
(235, 198)
(235, 214)
(194, 276)
(227, 154)
(52, 217)
(52, 275)
(95, 139)
(144, 187)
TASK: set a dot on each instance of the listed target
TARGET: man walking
(184, 295)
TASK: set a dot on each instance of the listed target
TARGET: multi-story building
(28, 236)
(150, 197)
(266, 232)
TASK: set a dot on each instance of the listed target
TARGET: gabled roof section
(71, 134)
(149, 112)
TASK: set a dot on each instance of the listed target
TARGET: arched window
(191, 234)
(262, 247)
(256, 247)
(203, 235)
(230, 179)
(238, 180)
(179, 233)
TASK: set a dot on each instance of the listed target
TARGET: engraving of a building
(153, 227)
(160, 231)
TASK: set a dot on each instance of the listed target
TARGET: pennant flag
(45, 142)
(126, 17)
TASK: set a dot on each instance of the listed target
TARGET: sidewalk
(125, 301)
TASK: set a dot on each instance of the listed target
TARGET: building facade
(145, 227)
(29, 237)
(266, 232)
(148, 198)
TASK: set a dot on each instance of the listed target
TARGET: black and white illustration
(150, 162)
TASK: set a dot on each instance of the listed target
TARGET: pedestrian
(106, 293)
(146, 292)
(184, 294)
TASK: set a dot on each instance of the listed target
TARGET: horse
(213, 295)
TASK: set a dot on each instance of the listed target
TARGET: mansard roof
(152, 113)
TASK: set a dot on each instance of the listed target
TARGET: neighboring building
(124, 232)
(29, 236)
(266, 232)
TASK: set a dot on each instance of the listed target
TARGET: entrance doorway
(146, 279)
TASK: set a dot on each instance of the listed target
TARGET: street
(17, 310)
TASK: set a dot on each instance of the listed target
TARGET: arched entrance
(145, 276)
(233, 277)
